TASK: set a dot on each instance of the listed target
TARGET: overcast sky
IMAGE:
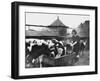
(46, 19)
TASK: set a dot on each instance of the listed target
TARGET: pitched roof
(57, 23)
(83, 29)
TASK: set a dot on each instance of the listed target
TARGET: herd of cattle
(42, 53)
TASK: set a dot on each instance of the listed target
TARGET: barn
(55, 30)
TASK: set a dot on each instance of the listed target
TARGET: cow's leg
(82, 51)
(40, 60)
(33, 61)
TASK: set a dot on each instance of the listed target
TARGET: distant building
(83, 29)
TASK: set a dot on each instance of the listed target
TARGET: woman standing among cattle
(75, 42)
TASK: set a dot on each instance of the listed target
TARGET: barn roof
(58, 23)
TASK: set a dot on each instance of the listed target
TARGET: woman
(75, 42)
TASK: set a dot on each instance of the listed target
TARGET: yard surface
(83, 59)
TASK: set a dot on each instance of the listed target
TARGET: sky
(46, 19)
